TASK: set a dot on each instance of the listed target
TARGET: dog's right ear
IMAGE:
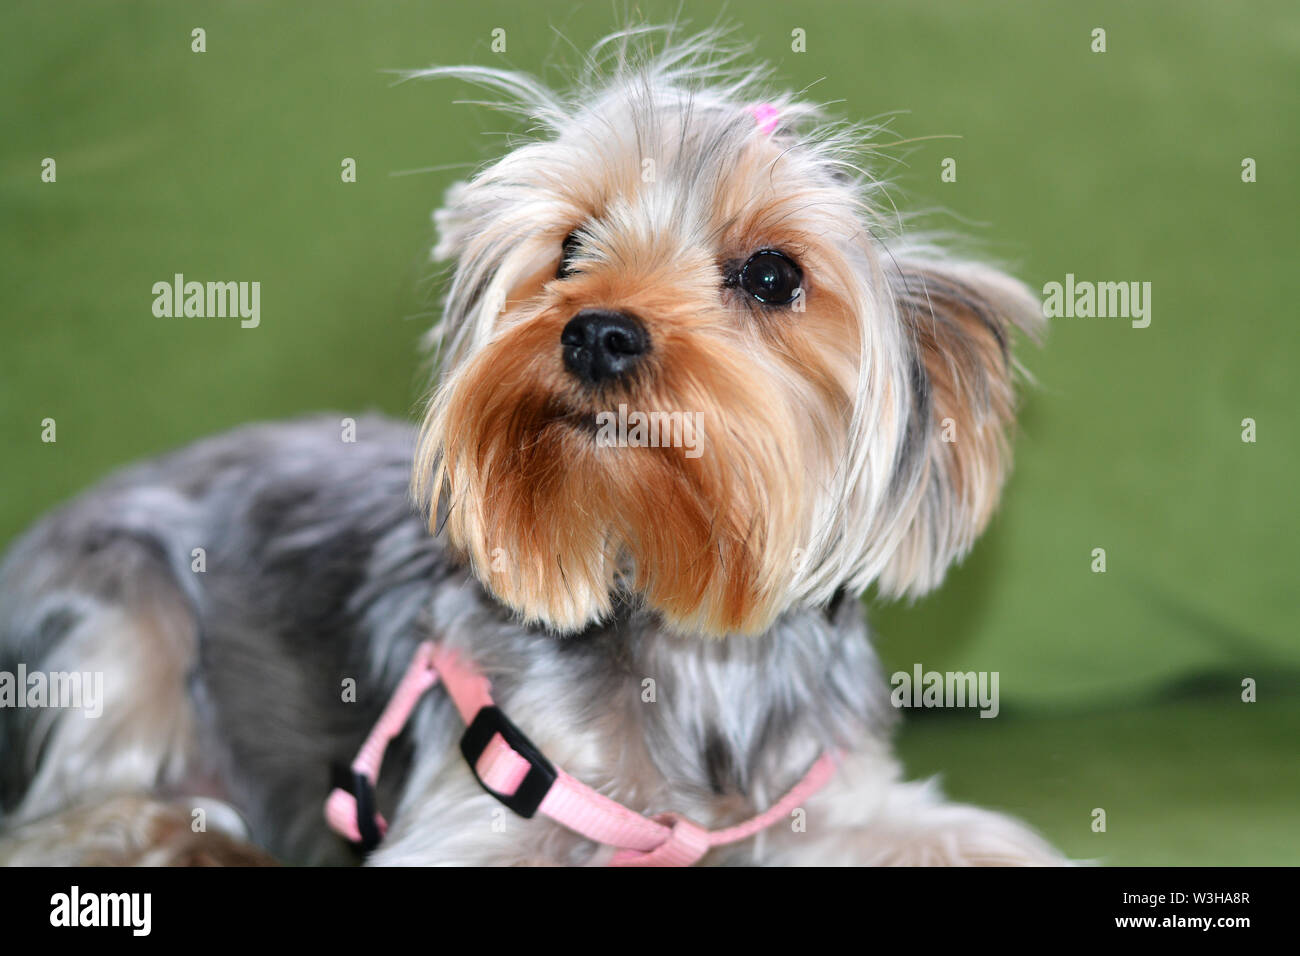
(451, 223)
(499, 255)
(471, 237)
(960, 318)
(452, 228)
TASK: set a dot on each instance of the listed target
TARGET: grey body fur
(318, 569)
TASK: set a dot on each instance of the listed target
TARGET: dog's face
(683, 365)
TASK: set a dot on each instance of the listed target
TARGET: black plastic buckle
(488, 722)
(359, 785)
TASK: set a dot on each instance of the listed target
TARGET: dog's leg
(867, 816)
(92, 595)
(141, 738)
(91, 797)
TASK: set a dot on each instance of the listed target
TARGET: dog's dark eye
(567, 251)
(771, 277)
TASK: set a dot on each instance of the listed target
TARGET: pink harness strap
(516, 779)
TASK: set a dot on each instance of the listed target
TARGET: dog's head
(686, 359)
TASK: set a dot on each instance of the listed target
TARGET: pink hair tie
(765, 115)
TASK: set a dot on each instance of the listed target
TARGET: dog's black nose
(601, 346)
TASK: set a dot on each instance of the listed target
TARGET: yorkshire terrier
(698, 394)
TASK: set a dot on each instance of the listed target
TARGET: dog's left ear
(960, 319)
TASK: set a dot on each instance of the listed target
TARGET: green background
(1119, 690)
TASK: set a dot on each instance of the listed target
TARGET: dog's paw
(134, 831)
(953, 834)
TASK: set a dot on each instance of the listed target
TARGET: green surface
(1192, 776)
(1116, 166)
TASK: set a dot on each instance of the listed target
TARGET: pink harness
(511, 769)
